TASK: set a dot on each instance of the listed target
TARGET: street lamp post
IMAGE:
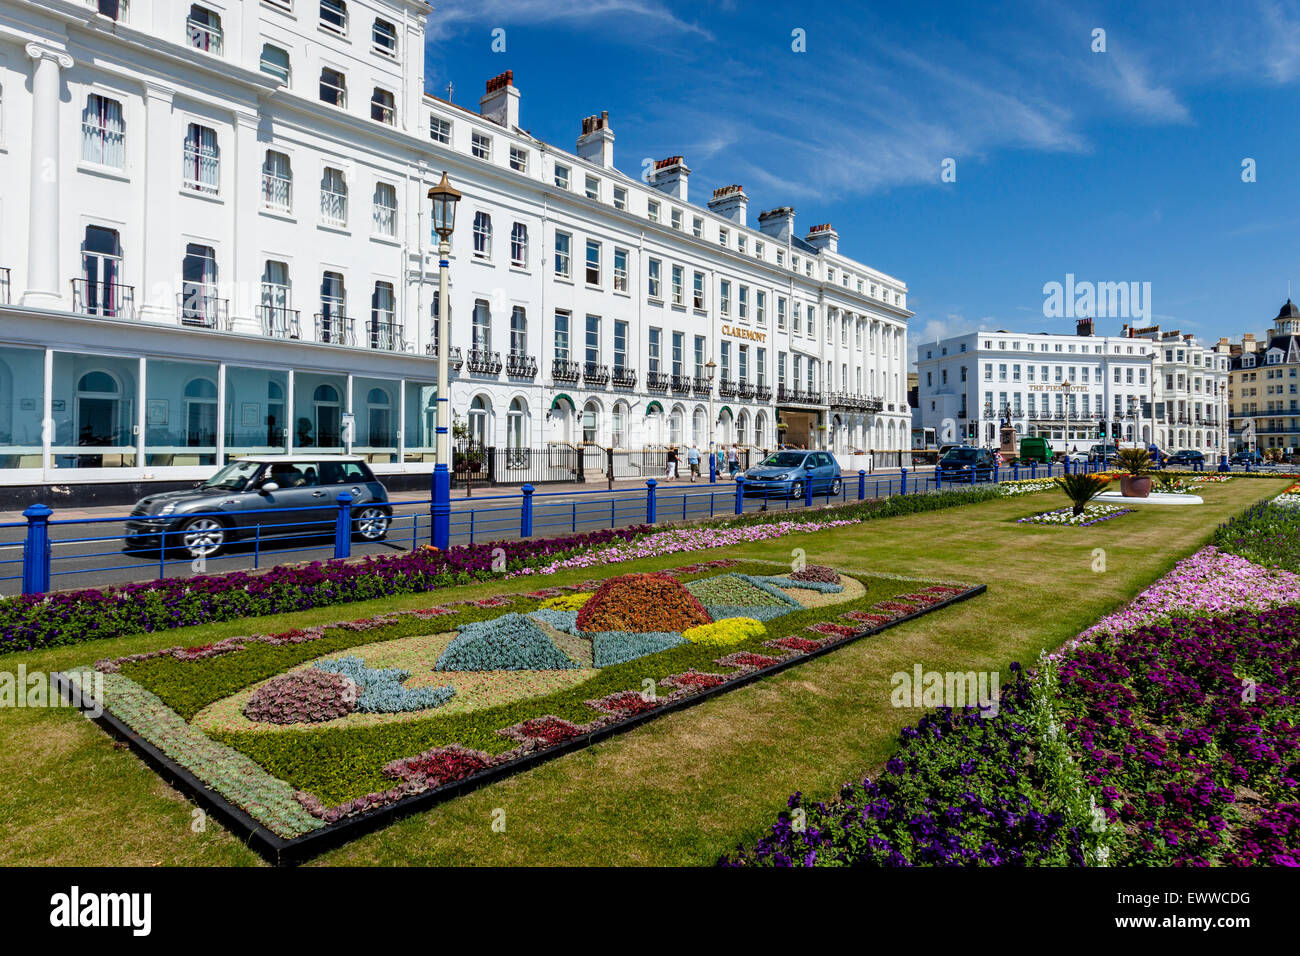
(444, 199)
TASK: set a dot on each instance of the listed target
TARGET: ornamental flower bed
(339, 721)
(1092, 514)
(1154, 739)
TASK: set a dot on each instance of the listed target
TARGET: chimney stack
(730, 202)
(596, 144)
(777, 223)
(1084, 327)
(823, 237)
(500, 104)
(670, 176)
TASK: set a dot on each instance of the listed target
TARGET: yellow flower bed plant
(724, 633)
(567, 602)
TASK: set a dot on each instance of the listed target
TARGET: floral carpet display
(310, 728)
(1092, 514)
(1166, 734)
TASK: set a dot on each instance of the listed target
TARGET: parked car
(1078, 457)
(784, 473)
(962, 459)
(944, 449)
(1104, 452)
(1035, 448)
(1186, 458)
(1247, 458)
(238, 501)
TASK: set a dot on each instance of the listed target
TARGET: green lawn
(683, 788)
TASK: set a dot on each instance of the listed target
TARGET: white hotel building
(214, 240)
(1144, 386)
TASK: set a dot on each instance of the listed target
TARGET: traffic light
(1103, 429)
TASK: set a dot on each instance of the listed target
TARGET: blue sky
(1123, 165)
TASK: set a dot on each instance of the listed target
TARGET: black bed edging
(280, 851)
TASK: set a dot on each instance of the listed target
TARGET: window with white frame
(275, 62)
(652, 210)
(519, 159)
(654, 275)
(697, 227)
(481, 146)
(697, 291)
(563, 248)
(591, 187)
(277, 182)
(201, 171)
(742, 303)
(383, 39)
(780, 311)
(482, 235)
(518, 331)
(103, 135)
(675, 218)
(385, 211)
(724, 297)
(333, 87)
(724, 235)
(679, 281)
(333, 197)
(334, 16)
(383, 107)
(593, 262)
(620, 270)
(519, 245)
(620, 197)
(561, 176)
(760, 307)
(203, 30)
(440, 130)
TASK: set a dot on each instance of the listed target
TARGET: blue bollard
(1033, 469)
(862, 484)
(740, 494)
(997, 469)
(903, 472)
(807, 486)
(938, 477)
(651, 511)
(36, 550)
(1223, 463)
(713, 468)
(1015, 472)
(343, 527)
(440, 507)
(526, 512)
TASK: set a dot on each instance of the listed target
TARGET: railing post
(740, 493)
(1015, 472)
(903, 472)
(938, 477)
(651, 511)
(807, 486)
(526, 512)
(862, 484)
(343, 526)
(440, 507)
(713, 467)
(36, 550)
(1033, 469)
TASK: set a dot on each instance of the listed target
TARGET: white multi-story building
(1141, 386)
(216, 241)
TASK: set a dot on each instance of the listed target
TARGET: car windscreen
(233, 477)
(783, 459)
(960, 454)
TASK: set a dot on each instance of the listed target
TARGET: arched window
(618, 438)
(478, 421)
(590, 421)
(517, 425)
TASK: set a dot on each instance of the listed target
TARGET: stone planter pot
(1132, 486)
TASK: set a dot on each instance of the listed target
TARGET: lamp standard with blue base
(444, 199)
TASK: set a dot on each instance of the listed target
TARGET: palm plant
(1134, 461)
(1081, 489)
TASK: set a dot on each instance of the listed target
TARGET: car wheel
(371, 524)
(835, 486)
(202, 537)
(796, 489)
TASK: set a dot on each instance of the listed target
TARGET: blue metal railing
(59, 549)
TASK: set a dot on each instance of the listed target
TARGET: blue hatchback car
(785, 473)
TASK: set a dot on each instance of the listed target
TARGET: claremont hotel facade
(216, 242)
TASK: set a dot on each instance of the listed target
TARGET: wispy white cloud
(626, 17)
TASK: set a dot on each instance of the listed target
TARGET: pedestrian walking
(672, 463)
(693, 459)
(733, 459)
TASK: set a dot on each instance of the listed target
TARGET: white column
(242, 259)
(43, 211)
(160, 248)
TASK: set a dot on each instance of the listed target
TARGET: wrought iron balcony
(681, 383)
(593, 373)
(385, 336)
(763, 393)
(335, 329)
(483, 361)
(108, 299)
(565, 370)
(624, 377)
(202, 311)
(279, 322)
(702, 385)
(658, 381)
(745, 390)
(519, 365)
(873, 405)
(454, 358)
(726, 388)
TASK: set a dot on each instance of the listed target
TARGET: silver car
(239, 502)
